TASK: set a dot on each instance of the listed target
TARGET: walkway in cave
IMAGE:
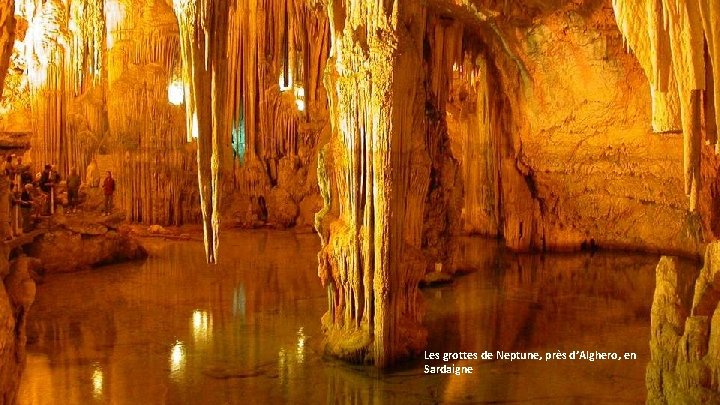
(175, 330)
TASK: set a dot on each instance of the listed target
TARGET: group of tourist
(39, 194)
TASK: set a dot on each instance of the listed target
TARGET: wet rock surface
(17, 294)
(685, 333)
(77, 242)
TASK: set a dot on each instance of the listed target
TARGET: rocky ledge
(80, 241)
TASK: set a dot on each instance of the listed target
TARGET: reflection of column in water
(177, 360)
(37, 390)
(97, 381)
(301, 345)
(238, 307)
(202, 326)
(356, 388)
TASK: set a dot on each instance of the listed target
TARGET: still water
(173, 330)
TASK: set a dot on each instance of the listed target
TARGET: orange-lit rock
(391, 126)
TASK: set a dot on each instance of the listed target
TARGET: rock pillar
(374, 176)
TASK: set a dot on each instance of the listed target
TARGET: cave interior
(388, 129)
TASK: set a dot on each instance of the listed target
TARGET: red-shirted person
(109, 189)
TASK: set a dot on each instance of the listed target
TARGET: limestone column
(374, 176)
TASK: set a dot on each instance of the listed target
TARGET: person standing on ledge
(46, 188)
(26, 205)
(109, 189)
(73, 185)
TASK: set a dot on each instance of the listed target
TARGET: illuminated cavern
(392, 131)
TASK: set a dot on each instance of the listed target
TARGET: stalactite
(204, 38)
(47, 50)
(685, 27)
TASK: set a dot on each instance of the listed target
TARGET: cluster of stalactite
(374, 179)
(64, 48)
(677, 43)
(465, 138)
(47, 52)
(154, 163)
(99, 73)
(279, 50)
(147, 138)
(251, 70)
(87, 42)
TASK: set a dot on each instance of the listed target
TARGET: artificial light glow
(300, 105)
(176, 93)
(114, 14)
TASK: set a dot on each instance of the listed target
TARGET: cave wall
(685, 337)
(17, 289)
(567, 157)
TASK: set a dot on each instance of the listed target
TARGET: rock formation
(17, 289)
(400, 123)
(684, 337)
(17, 293)
(77, 244)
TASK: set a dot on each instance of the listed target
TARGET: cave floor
(175, 330)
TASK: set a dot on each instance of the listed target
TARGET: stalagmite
(377, 177)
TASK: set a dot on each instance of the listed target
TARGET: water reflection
(177, 360)
(301, 345)
(202, 326)
(248, 329)
(97, 381)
